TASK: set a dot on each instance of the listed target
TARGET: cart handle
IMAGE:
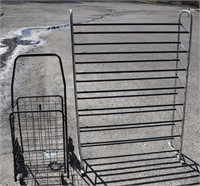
(35, 55)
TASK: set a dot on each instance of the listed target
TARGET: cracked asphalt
(51, 33)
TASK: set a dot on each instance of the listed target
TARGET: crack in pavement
(10, 44)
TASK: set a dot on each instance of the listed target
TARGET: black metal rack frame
(159, 90)
(39, 134)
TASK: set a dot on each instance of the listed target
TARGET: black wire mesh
(38, 126)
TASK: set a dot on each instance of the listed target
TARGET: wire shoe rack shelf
(130, 82)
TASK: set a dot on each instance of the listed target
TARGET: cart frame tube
(75, 86)
(65, 132)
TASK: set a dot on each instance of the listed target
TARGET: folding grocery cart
(39, 133)
(130, 82)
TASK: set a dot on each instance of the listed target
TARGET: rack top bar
(122, 24)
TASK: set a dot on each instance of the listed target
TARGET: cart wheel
(21, 181)
(63, 181)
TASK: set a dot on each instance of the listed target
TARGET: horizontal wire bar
(122, 24)
(126, 79)
(125, 96)
(131, 71)
(121, 142)
(42, 164)
(131, 32)
(129, 61)
(52, 128)
(44, 96)
(154, 176)
(125, 128)
(35, 111)
(48, 177)
(137, 160)
(138, 171)
(187, 184)
(131, 124)
(128, 155)
(138, 166)
(128, 90)
(132, 107)
(128, 43)
(168, 174)
(151, 182)
(131, 112)
(132, 52)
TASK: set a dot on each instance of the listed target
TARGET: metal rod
(153, 176)
(122, 24)
(131, 71)
(125, 128)
(136, 160)
(93, 171)
(13, 140)
(121, 142)
(128, 155)
(132, 52)
(126, 79)
(130, 107)
(19, 123)
(127, 61)
(187, 76)
(32, 175)
(146, 170)
(75, 87)
(127, 43)
(128, 90)
(125, 96)
(130, 124)
(132, 32)
(138, 171)
(168, 180)
(44, 96)
(128, 112)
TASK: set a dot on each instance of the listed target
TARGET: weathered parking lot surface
(44, 27)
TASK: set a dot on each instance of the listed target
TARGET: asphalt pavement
(44, 28)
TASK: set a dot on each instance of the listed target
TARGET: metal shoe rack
(39, 132)
(130, 82)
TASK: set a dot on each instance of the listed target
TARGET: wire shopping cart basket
(39, 132)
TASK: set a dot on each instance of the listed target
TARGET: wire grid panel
(125, 81)
(34, 103)
(40, 134)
